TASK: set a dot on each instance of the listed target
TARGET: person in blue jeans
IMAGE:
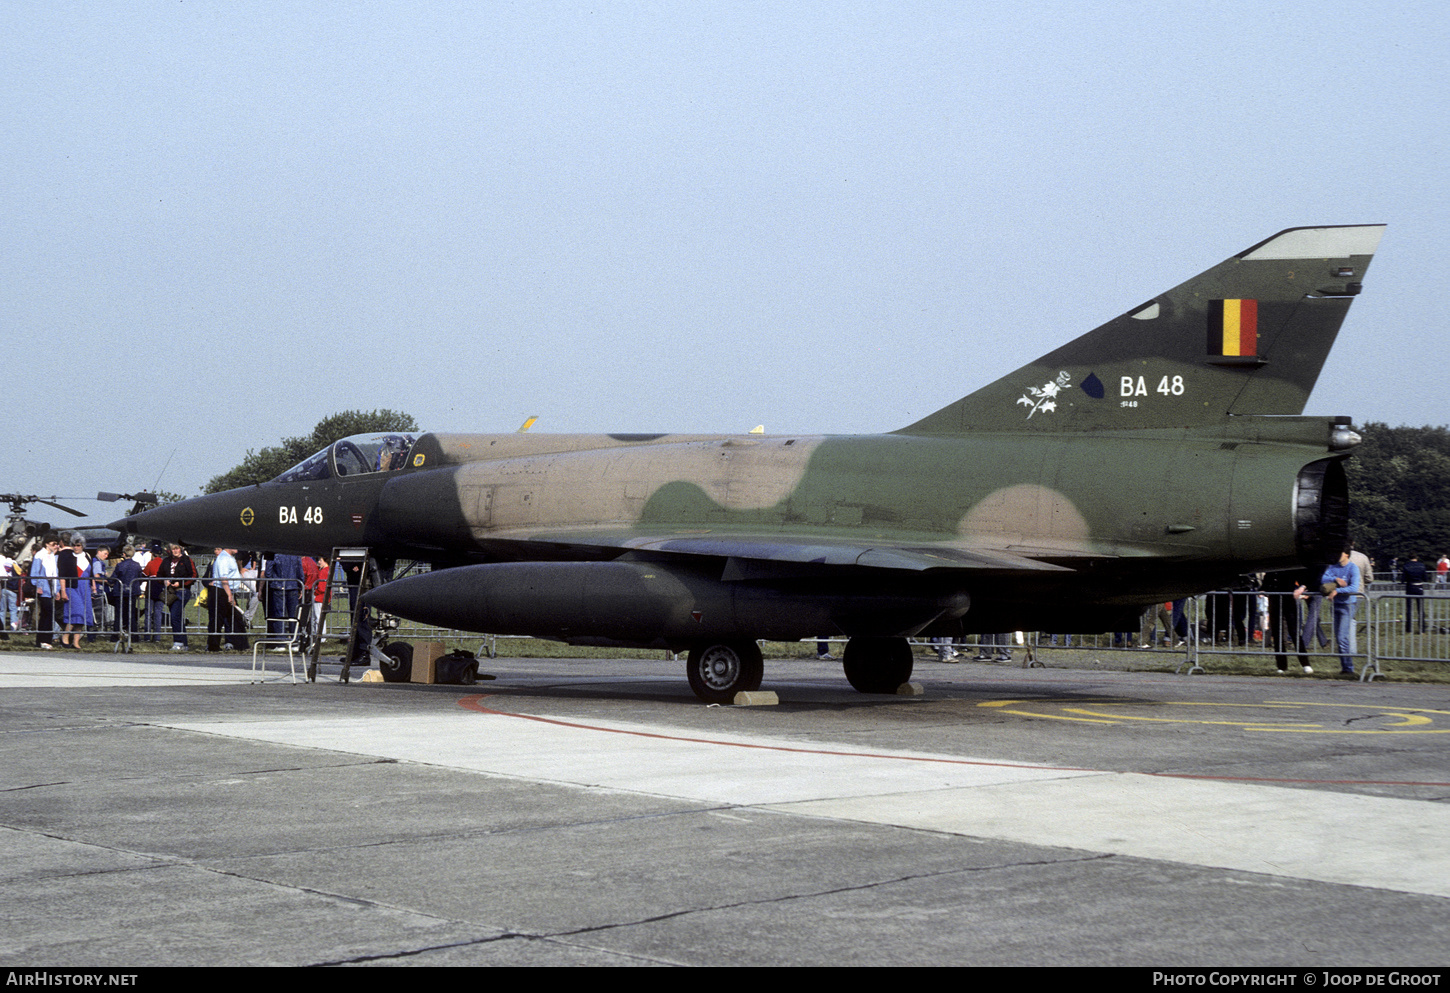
(1341, 583)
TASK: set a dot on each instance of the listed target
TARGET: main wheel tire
(399, 667)
(720, 670)
(877, 665)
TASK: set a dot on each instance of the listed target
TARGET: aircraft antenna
(163, 470)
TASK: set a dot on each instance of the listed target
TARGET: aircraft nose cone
(218, 520)
(157, 522)
(128, 524)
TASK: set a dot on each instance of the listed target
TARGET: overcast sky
(225, 221)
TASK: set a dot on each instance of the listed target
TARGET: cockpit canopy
(354, 456)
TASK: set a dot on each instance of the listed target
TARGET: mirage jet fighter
(1161, 455)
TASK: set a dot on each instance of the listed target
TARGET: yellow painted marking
(1398, 720)
(1207, 703)
(247, 516)
(1058, 717)
(1001, 704)
(1176, 720)
(1290, 703)
(1231, 313)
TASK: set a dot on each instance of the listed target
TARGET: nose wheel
(718, 671)
(399, 667)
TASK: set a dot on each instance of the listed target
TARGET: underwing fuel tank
(644, 604)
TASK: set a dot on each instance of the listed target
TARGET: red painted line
(475, 703)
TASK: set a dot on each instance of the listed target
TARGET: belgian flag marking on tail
(1233, 327)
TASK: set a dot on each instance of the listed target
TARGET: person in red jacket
(314, 579)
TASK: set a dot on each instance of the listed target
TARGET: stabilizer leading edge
(1249, 336)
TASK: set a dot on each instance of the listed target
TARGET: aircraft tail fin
(1249, 336)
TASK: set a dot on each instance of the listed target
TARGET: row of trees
(1399, 501)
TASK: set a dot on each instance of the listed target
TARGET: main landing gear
(877, 665)
(719, 670)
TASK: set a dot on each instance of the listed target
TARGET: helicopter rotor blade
(61, 506)
(147, 498)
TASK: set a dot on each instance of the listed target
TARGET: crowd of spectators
(143, 593)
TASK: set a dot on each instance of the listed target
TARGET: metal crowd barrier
(137, 613)
(1292, 630)
(1273, 627)
(1387, 626)
(142, 610)
(1405, 628)
(1030, 646)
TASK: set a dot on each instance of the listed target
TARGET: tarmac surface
(167, 810)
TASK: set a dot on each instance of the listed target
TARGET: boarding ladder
(367, 579)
